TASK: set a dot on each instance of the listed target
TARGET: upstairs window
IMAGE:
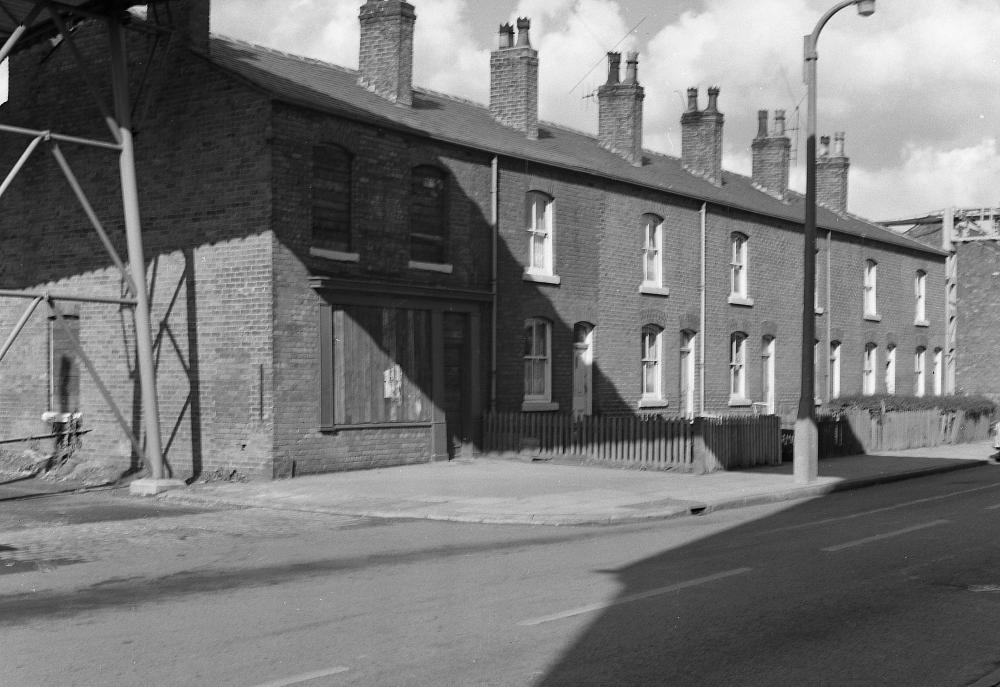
(540, 233)
(651, 363)
(428, 217)
(331, 198)
(920, 296)
(537, 361)
(738, 265)
(652, 251)
(868, 371)
(871, 288)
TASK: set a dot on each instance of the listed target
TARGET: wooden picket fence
(653, 442)
(864, 432)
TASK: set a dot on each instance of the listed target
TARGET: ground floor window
(381, 365)
(537, 360)
(737, 367)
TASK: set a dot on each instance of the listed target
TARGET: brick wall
(382, 163)
(202, 169)
(978, 312)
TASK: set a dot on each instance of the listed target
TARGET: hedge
(974, 406)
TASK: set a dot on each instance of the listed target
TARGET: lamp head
(866, 8)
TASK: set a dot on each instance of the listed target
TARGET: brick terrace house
(347, 271)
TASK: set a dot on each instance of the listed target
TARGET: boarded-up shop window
(381, 366)
(64, 365)
(427, 215)
(331, 198)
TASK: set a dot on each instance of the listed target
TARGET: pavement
(516, 491)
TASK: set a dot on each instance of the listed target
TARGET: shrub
(973, 406)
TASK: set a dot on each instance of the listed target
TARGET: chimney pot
(779, 122)
(713, 98)
(523, 25)
(506, 36)
(692, 100)
(614, 67)
(761, 123)
(632, 68)
(838, 144)
(824, 146)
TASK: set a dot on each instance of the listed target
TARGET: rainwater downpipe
(829, 312)
(494, 226)
(701, 337)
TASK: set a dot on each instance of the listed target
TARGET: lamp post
(806, 447)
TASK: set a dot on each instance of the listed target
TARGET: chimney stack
(831, 174)
(619, 121)
(701, 137)
(771, 155)
(514, 80)
(190, 22)
(386, 57)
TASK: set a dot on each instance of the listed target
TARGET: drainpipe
(495, 227)
(701, 338)
(829, 312)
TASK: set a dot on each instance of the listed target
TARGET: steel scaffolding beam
(22, 23)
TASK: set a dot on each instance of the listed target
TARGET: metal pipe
(107, 145)
(65, 297)
(96, 377)
(136, 256)
(92, 216)
(19, 326)
(16, 34)
(702, 333)
(19, 164)
(495, 226)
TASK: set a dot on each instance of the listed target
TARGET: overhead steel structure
(24, 23)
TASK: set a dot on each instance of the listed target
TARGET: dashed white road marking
(590, 608)
(885, 535)
(873, 511)
(304, 677)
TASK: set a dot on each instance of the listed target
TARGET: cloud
(929, 179)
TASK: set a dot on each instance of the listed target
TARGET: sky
(914, 86)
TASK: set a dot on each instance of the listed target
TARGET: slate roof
(334, 89)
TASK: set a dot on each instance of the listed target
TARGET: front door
(583, 365)
(457, 374)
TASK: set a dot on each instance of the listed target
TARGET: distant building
(348, 272)
(971, 236)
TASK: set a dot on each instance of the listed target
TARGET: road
(897, 584)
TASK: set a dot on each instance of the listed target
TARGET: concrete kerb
(612, 515)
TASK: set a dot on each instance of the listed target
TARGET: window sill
(740, 300)
(922, 323)
(538, 406)
(653, 290)
(541, 278)
(873, 317)
(739, 402)
(653, 403)
(338, 255)
(442, 267)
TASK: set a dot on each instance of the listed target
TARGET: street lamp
(806, 447)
